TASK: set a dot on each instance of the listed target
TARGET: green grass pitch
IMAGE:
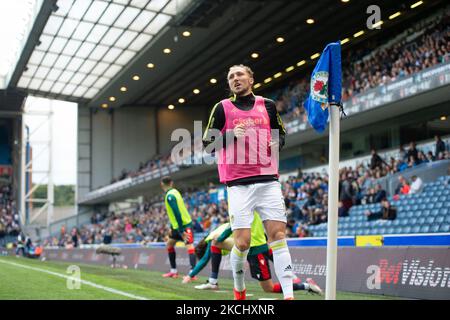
(23, 279)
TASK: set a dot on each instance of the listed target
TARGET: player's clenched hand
(274, 143)
(239, 130)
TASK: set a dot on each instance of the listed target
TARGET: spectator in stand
(74, 235)
(387, 212)
(422, 158)
(302, 231)
(380, 194)
(342, 212)
(440, 145)
(402, 165)
(346, 193)
(376, 161)
(416, 185)
(294, 211)
(412, 154)
(430, 156)
(402, 187)
(318, 216)
(369, 197)
(107, 236)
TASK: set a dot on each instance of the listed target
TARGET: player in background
(251, 186)
(181, 226)
(219, 243)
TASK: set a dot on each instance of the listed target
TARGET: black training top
(245, 103)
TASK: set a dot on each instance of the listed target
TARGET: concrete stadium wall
(134, 138)
(112, 140)
(84, 152)
(181, 117)
(101, 147)
(410, 272)
(119, 139)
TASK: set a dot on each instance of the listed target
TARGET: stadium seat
(410, 214)
(444, 228)
(398, 230)
(434, 228)
(435, 212)
(426, 213)
(422, 206)
(406, 229)
(421, 220)
(430, 220)
(439, 219)
(425, 229)
(413, 221)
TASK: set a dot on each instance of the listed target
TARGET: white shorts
(265, 198)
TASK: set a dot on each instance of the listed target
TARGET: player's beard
(242, 91)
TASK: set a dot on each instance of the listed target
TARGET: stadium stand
(9, 219)
(424, 45)
(415, 214)
(306, 202)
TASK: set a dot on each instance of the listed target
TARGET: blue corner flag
(326, 86)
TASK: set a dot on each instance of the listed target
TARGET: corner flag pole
(326, 90)
(333, 198)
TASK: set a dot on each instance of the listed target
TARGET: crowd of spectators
(306, 195)
(306, 199)
(145, 224)
(156, 163)
(9, 219)
(379, 62)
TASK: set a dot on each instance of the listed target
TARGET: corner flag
(326, 86)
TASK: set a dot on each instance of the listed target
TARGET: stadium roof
(90, 51)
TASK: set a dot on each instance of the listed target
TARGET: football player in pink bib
(246, 133)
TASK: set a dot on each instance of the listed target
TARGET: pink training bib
(250, 155)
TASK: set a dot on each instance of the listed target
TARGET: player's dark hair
(200, 248)
(166, 180)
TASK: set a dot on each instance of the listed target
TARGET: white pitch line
(88, 283)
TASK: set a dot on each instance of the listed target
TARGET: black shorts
(259, 266)
(176, 235)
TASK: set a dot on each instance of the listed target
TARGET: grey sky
(64, 139)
